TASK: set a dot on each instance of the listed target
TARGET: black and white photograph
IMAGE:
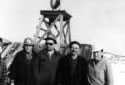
(62, 42)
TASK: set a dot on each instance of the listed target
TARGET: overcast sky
(93, 21)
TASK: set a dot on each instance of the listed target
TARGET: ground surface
(118, 73)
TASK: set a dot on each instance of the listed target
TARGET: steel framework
(54, 24)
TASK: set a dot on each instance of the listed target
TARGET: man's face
(28, 47)
(50, 45)
(97, 55)
(75, 49)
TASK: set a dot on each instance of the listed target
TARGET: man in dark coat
(72, 69)
(21, 71)
(46, 64)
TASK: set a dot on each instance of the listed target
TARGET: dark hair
(1, 40)
(49, 38)
(74, 42)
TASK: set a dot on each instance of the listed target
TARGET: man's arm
(108, 74)
(13, 68)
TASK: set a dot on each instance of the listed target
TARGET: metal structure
(54, 24)
(6, 57)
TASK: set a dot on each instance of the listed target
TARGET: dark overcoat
(68, 76)
(1, 73)
(21, 70)
(45, 68)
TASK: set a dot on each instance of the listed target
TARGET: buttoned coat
(21, 70)
(76, 76)
(45, 68)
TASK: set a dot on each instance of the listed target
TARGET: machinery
(56, 23)
(9, 49)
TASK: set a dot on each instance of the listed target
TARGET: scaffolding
(55, 24)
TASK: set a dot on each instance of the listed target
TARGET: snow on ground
(118, 70)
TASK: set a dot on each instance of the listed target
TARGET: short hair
(49, 38)
(74, 42)
(1, 40)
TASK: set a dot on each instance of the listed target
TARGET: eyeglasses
(49, 44)
(96, 52)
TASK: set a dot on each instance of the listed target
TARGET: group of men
(49, 67)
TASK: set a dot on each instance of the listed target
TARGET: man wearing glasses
(99, 69)
(46, 64)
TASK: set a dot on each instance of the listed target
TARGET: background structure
(93, 21)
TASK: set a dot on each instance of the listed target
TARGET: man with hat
(99, 69)
(46, 63)
(21, 71)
